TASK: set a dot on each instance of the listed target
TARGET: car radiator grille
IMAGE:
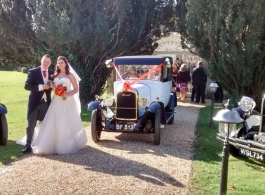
(126, 105)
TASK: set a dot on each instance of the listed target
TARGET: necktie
(44, 73)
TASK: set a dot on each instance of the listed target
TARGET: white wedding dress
(61, 131)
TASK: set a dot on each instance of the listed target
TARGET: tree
(89, 32)
(230, 36)
(17, 35)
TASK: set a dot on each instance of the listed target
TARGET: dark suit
(199, 80)
(37, 107)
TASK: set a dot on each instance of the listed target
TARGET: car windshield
(145, 72)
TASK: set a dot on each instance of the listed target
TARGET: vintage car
(143, 101)
(246, 138)
(3, 125)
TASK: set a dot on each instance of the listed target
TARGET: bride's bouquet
(60, 90)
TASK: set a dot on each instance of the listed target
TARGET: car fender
(172, 100)
(93, 105)
(3, 109)
(154, 107)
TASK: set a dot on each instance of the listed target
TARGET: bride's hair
(67, 68)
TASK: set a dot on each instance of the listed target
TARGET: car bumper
(246, 144)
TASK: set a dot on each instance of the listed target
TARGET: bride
(61, 131)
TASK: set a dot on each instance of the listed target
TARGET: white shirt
(45, 81)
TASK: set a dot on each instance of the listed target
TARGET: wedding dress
(61, 131)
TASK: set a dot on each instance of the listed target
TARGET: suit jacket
(183, 77)
(34, 79)
(199, 76)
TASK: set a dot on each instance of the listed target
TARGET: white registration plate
(251, 154)
(127, 127)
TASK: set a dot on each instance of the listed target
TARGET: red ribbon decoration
(127, 85)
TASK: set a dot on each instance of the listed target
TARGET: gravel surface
(118, 164)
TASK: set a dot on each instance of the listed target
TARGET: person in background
(219, 94)
(183, 78)
(174, 77)
(178, 63)
(199, 79)
(192, 68)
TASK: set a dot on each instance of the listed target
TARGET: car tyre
(95, 126)
(3, 130)
(157, 129)
(233, 151)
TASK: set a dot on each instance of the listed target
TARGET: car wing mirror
(109, 63)
(167, 63)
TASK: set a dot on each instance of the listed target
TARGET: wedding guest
(192, 68)
(199, 79)
(174, 77)
(219, 94)
(178, 63)
(39, 97)
(183, 79)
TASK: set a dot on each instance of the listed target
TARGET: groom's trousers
(34, 116)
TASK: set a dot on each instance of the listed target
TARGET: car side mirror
(109, 63)
(167, 63)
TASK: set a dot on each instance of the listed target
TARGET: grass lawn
(15, 98)
(245, 176)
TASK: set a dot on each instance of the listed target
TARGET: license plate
(127, 127)
(251, 154)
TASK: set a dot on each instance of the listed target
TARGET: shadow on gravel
(176, 139)
(98, 161)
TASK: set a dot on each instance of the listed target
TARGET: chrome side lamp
(228, 119)
(213, 87)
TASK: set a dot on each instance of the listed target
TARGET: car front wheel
(157, 129)
(95, 126)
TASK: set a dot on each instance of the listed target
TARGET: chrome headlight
(108, 101)
(143, 102)
(247, 104)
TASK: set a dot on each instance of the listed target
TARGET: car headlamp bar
(118, 72)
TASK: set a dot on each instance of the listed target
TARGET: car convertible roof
(141, 60)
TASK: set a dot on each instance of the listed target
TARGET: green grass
(15, 98)
(244, 176)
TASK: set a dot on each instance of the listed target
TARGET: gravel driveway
(118, 164)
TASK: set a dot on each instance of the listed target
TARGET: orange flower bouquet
(60, 90)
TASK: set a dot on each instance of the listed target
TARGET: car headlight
(143, 102)
(247, 104)
(108, 101)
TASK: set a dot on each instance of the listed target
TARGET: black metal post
(224, 168)
(212, 106)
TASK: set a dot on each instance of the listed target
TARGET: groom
(39, 97)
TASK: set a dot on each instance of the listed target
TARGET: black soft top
(141, 60)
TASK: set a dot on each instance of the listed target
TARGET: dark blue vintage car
(3, 125)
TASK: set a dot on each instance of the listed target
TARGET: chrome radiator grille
(126, 107)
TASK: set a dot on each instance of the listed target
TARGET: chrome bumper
(246, 144)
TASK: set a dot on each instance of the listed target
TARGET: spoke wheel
(157, 129)
(95, 126)
(3, 130)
